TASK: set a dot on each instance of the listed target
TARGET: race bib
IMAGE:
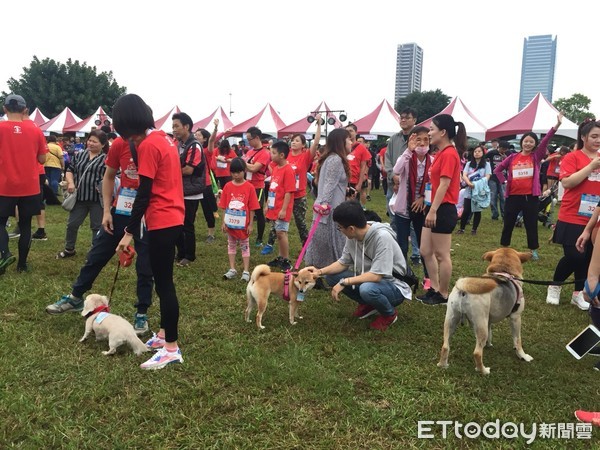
(248, 176)
(428, 194)
(351, 157)
(522, 172)
(235, 219)
(271, 200)
(587, 204)
(297, 182)
(125, 201)
(557, 170)
(221, 164)
(594, 176)
(100, 317)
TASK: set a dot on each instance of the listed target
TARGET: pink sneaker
(426, 283)
(155, 342)
(588, 417)
(162, 358)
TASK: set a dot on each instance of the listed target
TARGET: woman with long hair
(441, 197)
(331, 178)
(478, 168)
(523, 187)
(85, 175)
(208, 201)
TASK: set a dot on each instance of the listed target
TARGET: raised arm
(315, 144)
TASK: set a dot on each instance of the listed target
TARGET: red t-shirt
(221, 168)
(522, 175)
(238, 201)
(20, 145)
(119, 157)
(381, 156)
(358, 154)
(578, 203)
(158, 159)
(446, 164)
(553, 167)
(283, 180)
(262, 156)
(301, 164)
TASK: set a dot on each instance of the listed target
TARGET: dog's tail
(138, 346)
(260, 271)
(476, 285)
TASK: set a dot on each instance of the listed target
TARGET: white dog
(109, 326)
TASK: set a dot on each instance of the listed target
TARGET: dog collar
(105, 308)
(516, 283)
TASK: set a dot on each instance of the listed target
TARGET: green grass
(327, 383)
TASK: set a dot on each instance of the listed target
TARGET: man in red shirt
(22, 149)
(359, 160)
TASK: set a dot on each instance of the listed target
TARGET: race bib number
(248, 176)
(351, 157)
(125, 201)
(523, 172)
(588, 204)
(428, 194)
(271, 200)
(235, 219)
(100, 317)
(594, 176)
(221, 164)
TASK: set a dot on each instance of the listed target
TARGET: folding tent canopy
(458, 110)
(383, 120)
(303, 126)
(61, 122)
(224, 122)
(267, 120)
(87, 124)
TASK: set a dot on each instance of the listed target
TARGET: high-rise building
(409, 68)
(537, 72)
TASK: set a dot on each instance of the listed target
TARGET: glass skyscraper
(537, 71)
(409, 68)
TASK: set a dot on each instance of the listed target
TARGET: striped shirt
(91, 183)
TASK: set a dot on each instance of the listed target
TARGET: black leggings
(466, 213)
(259, 215)
(209, 206)
(161, 246)
(529, 205)
(24, 239)
(573, 262)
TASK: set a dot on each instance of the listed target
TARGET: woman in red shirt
(580, 176)
(441, 197)
(160, 200)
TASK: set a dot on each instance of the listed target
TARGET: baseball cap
(15, 99)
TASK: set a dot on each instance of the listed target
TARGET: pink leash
(320, 211)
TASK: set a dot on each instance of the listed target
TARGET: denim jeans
(102, 251)
(496, 195)
(53, 174)
(384, 296)
(410, 226)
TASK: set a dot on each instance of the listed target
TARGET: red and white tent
(87, 124)
(538, 116)
(304, 127)
(383, 120)
(457, 109)
(38, 118)
(224, 122)
(61, 122)
(267, 120)
(165, 122)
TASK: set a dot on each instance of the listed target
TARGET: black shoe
(320, 284)
(595, 351)
(285, 264)
(276, 262)
(436, 299)
(429, 293)
(415, 260)
(22, 268)
(39, 236)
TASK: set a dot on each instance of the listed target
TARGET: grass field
(327, 383)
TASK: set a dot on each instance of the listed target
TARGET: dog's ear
(524, 256)
(487, 256)
(104, 299)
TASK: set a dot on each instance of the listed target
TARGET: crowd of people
(143, 186)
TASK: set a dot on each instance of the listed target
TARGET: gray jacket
(395, 148)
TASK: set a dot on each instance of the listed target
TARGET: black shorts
(28, 206)
(567, 233)
(446, 220)
(42, 199)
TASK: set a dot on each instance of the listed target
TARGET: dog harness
(99, 309)
(286, 285)
(504, 277)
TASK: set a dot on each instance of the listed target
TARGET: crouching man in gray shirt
(365, 270)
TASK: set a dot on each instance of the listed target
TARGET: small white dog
(109, 326)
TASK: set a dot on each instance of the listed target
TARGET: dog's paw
(261, 327)
(442, 365)
(484, 371)
(527, 358)
(107, 352)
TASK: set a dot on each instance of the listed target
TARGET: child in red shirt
(280, 201)
(239, 201)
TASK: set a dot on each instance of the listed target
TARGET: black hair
(503, 144)
(411, 111)
(420, 129)
(237, 165)
(102, 137)
(205, 134)
(51, 138)
(473, 162)
(105, 128)
(351, 125)
(447, 122)
(532, 135)
(185, 119)
(282, 148)
(131, 116)
(254, 132)
(112, 135)
(584, 129)
(350, 213)
(224, 147)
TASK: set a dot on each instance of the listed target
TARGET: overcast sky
(294, 54)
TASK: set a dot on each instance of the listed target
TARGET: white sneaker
(553, 297)
(162, 358)
(578, 301)
(246, 276)
(230, 274)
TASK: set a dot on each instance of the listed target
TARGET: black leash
(112, 289)
(549, 283)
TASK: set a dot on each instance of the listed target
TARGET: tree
(575, 108)
(426, 103)
(52, 86)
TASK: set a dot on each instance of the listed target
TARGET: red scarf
(412, 178)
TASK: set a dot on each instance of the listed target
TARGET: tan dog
(486, 300)
(263, 282)
(109, 326)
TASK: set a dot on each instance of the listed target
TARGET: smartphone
(584, 342)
